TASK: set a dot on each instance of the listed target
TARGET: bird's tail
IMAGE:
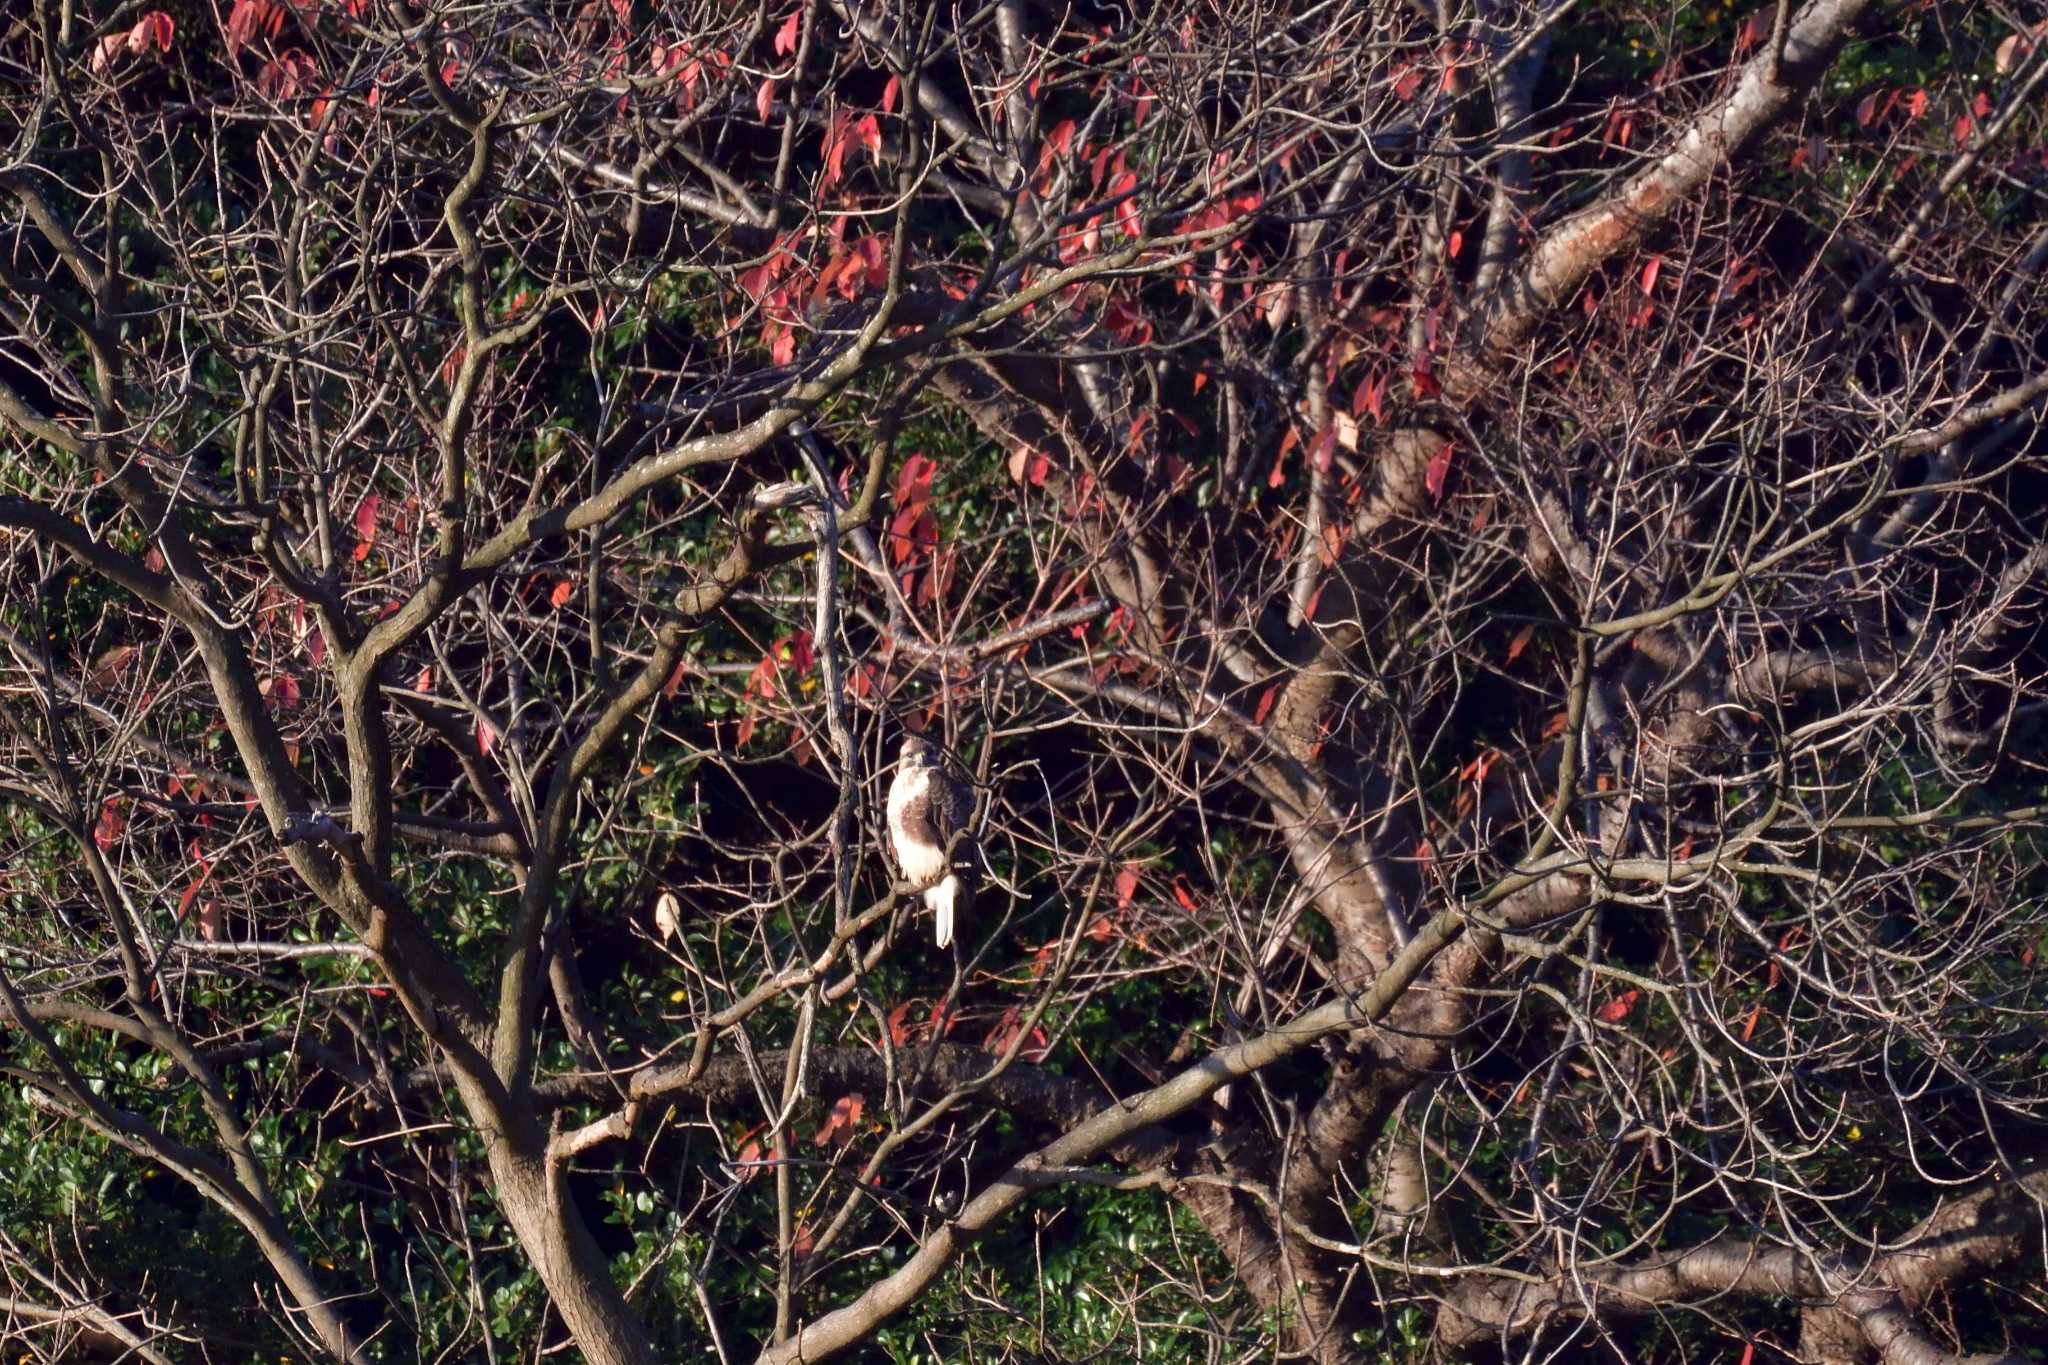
(942, 898)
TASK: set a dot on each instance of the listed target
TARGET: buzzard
(928, 805)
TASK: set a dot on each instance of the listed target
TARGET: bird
(928, 805)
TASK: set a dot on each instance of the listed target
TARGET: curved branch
(1847, 1307)
(1561, 261)
(844, 1326)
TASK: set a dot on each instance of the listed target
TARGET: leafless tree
(1497, 581)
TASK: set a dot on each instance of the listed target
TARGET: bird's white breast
(922, 862)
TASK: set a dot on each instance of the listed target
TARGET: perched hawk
(928, 805)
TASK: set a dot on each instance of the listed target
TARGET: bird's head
(919, 752)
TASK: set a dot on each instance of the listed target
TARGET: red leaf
(1265, 706)
(283, 78)
(486, 736)
(282, 689)
(1126, 323)
(1740, 281)
(1457, 242)
(249, 19)
(1656, 263)
(154, 31)
(1866, 110)
(764, 98)
(316, 646)
(564, 590)
(110, 826)
(1126, 885)
(1366, 398)
(761, 682)
(1029, 466)
(1006, 1029)
(1059, 142)
(839, 1125)
(786, 36)
(1616, 1010)
(1125, 186)
(874, 251)
(1325, 445)
(1449, 83)
(899, 1032)
(868, 131)
(749, 1158)
(914, 480)
(1520, 642)
(108, 668)
(890, 89)
(365, 523)
(933, 589)
(1407, 84)
(797, 650)
(1099, 167)
(1756, 1012)
(1439, 469)
(835, 149)
(1185, 894)
(913, 535)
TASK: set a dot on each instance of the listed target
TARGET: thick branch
(1852, 1312)
(1571, 251)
